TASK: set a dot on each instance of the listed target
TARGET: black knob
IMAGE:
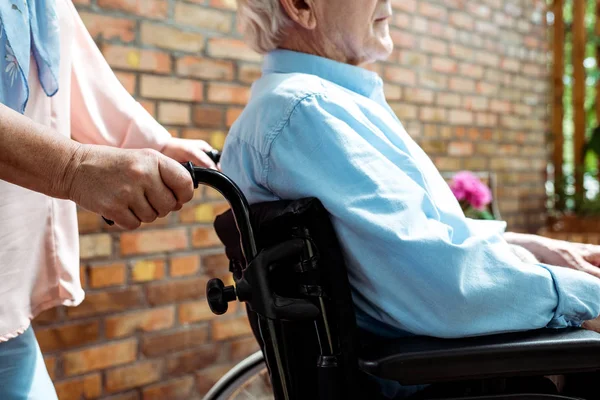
(218, 295)
(214, 155)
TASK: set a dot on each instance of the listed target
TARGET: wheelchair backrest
(320, 277)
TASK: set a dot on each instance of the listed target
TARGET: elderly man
(318, 125)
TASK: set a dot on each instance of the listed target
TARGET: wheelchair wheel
(248, 380)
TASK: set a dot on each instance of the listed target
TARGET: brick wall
(468, 79)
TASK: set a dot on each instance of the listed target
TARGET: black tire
(243, 380)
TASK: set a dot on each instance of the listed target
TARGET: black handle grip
(214, 155)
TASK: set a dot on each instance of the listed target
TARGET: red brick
(462, 20)
(195, 311)
(176, 290)
(131, 376)
(460, 149)
(210, 117)
(153, 241)
(223, 328)
(228, 93)
(124, 396)
(128, 80)
(403, 39)
(418, 96)
(249, 73)
(67, 336)
(203, 18)
(170, 113)
(432, 11)
(443, 64)
(205, 68)
(232, 115)
(203, 213)
(163, 343)
(400, 75)
(149, 106)
(434, 46)
(228, 4)
(460, 117)
(167, 88)
(174, 389)
(242, 348)
(108, 28)
(148, 270)
(107, 301)
(144, 320)
(206, 378)
(47, 317)
(131, 58)
(432, 114)
(88, 221)
(107, 275)
(50, 362)
(170, 38)
(88, 387)
(145, 8)
(185, 265)
(94, 246)
(405, 5)
(231, 49)
(193, 360)
(462, 85)
(99, 357)
(205, 237)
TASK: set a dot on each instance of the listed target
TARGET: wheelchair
(289, 270)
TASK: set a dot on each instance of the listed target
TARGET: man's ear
(301, 12)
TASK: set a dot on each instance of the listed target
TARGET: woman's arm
(103, 112)
(34, 157)
(127, 186)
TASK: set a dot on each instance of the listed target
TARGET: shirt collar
(354, 78)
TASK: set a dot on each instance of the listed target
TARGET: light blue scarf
(27, 27)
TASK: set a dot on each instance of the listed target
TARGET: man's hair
(263, 23)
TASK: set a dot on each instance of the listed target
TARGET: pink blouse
(39, 240)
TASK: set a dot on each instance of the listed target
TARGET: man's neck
(303, 41)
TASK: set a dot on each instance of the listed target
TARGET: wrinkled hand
(592, 325)
(127, 186)
(577, 256)
(184, 150)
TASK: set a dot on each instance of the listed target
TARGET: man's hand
(127, 186)
(576, 256)
(184, 150)
(592, 325)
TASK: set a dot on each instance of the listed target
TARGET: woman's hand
(127, 186)
(184, 150)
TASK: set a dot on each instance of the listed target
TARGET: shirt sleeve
(409, 268)
(102, 111)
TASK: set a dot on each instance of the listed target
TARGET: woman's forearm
(33, 156)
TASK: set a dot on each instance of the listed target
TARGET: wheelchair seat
(418, 359)
(320, 278)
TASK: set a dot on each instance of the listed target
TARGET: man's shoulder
(273, 100)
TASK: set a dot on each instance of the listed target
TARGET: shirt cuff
(578, 296)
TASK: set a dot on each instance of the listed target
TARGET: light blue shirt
(317, 128)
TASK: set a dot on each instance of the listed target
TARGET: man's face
(358, 28)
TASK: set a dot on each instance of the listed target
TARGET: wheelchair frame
(418, 360)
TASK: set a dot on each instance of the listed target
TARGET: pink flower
(467, 187)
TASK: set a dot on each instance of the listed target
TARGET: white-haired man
(318, 125)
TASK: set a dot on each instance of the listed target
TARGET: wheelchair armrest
(421, 360)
